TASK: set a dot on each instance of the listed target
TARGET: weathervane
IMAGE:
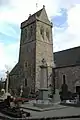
(36, 6)
(37, 1)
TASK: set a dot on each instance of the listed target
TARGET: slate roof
(17, 70)
(37, 13)
(67, 57)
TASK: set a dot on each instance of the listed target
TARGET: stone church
(36, 49)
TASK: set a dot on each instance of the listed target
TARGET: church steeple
(35, 44)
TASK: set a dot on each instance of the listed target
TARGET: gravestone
(64, 90)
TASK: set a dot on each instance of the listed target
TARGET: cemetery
(21, 104)
(45, 100)
(30, 90)
(68, 98)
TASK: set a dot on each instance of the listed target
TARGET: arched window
(31, 30)
(42, 32)
(25, 82)
(26, 64)
(64, 79)
(47, 34)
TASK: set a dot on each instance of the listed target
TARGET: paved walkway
(58, 110)
(69, 111)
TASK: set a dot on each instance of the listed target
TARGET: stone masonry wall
(27, 53)
(72, 75)
(44, 49)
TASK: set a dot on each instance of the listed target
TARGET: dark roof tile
(67, 57)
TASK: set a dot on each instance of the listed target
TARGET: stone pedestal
(44, 77)
(43, 94)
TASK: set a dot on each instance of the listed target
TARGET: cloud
(64, 41)
(8, 55)
(22, 8)
(69, 36)
(8, 29)
(4, 2)
(2, 60)
(9, 46)
(60, 19)
(73, 20)
(64, 14)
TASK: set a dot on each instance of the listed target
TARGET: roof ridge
(39, 11)
(68, 49)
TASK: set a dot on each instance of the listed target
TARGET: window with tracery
(25, 82)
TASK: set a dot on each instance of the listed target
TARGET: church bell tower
(36, 46)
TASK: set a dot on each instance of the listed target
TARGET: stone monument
(44, 74)
(43, 91)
